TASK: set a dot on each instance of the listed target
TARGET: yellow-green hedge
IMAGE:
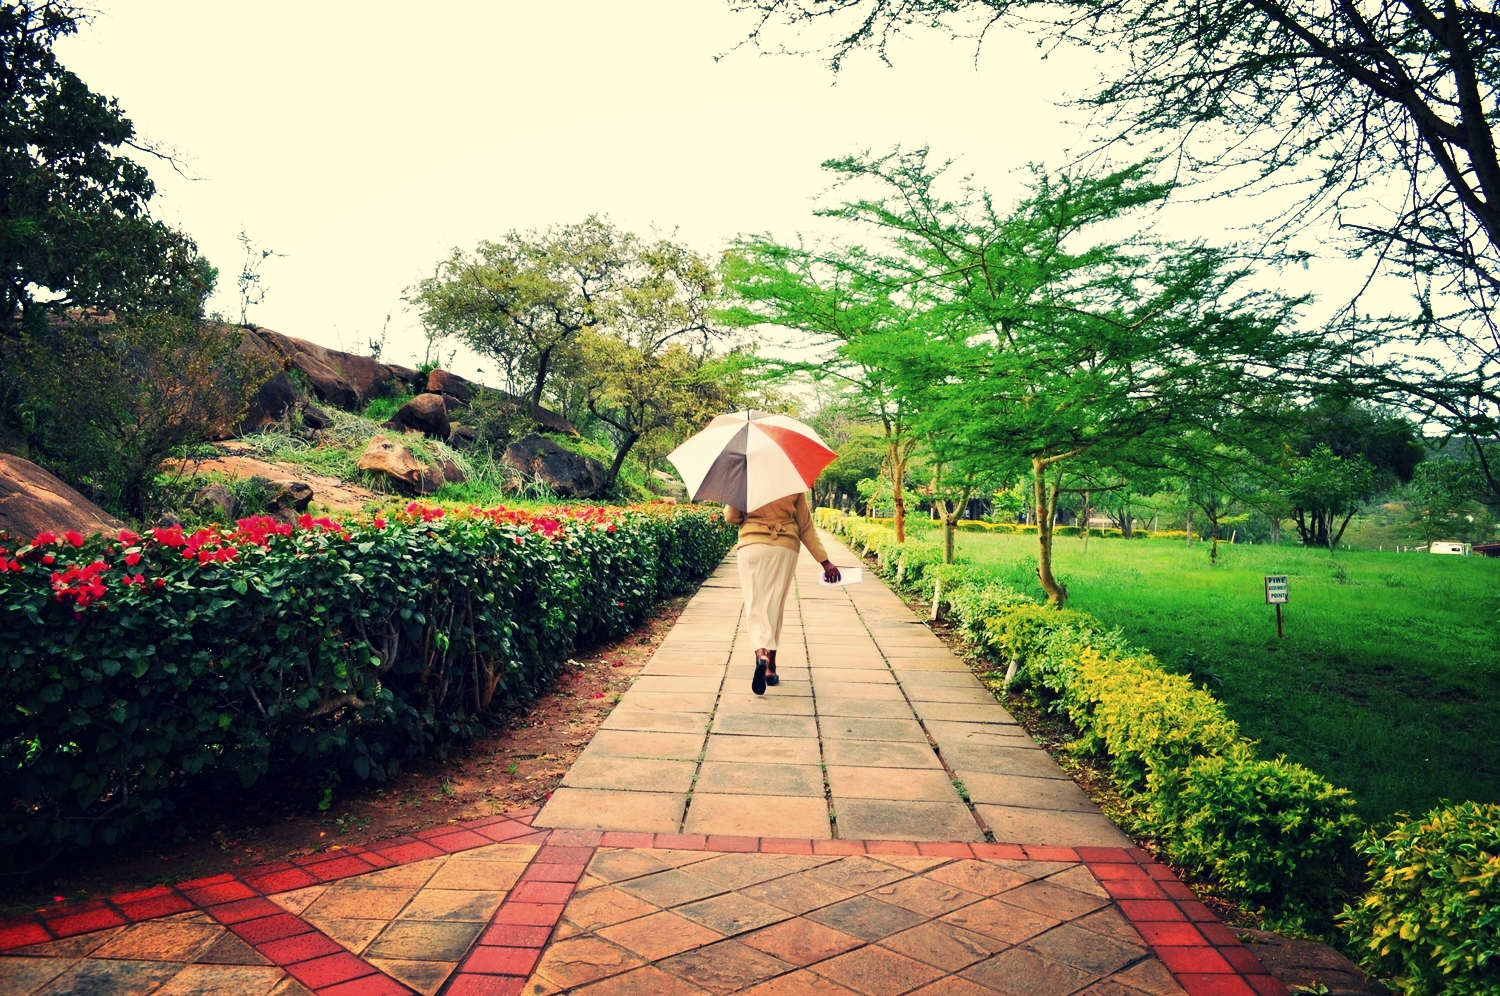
(1431, 920)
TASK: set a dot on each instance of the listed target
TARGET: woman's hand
(830, 573)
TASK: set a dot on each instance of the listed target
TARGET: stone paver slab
(606, 809)
(766, 726)
(597, 771)
(880, 819)
(660, 746)
(1030, 761)
(1026, 793)
(738, 778)
(762, 750)
(878, 754)
(749, 704)
(865, 708)
(646, 721)
(883, 730)
(1063, 829)
(758, 816)
(929, 784)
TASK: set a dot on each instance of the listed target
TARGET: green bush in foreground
(1431, 920)
(133, 668)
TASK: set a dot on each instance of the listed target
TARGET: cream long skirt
(766, 573)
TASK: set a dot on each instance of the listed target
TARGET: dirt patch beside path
(511, 768)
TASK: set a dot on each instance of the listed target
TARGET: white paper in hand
(848, 575)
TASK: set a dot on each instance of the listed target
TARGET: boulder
(345, 380)
(426, 413)
(217, 501)
(443, 382)
(571, 475)
(386, 456)
(462, 437)
(270, 404)
(292, 496)
(316, 418)
(33, 500)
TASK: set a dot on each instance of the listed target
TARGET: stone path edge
(1204, 956)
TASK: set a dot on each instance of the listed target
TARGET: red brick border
(1205, 957)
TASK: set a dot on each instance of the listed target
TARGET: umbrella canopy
(747, 459)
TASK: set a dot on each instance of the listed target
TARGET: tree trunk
(898, 485)
(949, 514)
(1189, 528)
(543, 365)
(1213, 533)
(1088, 514)
(1046, 508)
(619, 460)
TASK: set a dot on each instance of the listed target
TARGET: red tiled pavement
(1206, 957)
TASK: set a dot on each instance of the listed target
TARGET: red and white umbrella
(748, 459)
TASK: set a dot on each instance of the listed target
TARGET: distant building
(1456, 549)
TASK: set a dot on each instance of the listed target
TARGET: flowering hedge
(133, 665)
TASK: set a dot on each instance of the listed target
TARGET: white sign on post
(1276, 589)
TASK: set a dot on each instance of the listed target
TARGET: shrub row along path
(707, 842)
(871, 733)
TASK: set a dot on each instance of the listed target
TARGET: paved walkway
(877, 731)
(495, 907)
(813, 842)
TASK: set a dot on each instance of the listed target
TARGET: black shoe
(758, 683)
(771, 679)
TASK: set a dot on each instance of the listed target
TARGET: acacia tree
(1380, 115)
(844, 302)
(1079, 357)
(651, 368)
(524, 300)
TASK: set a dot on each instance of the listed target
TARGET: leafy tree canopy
(74, 225)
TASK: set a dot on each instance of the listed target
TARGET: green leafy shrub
(133, 667)
(1273, 832)
(1431, 920)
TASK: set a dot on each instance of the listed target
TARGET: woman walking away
(770, 537)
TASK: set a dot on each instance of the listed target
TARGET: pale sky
(365, 141)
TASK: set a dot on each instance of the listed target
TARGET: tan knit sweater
(783, 522)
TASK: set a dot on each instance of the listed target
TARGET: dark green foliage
(337, 650)
(1431, 920)
(104, 402)
(73, 218)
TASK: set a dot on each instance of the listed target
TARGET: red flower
(74, 536)
(160, 583)
(169, 537)
(48, 559)
(42, 539)
(127, 537)
(379, 522)
(132, 559)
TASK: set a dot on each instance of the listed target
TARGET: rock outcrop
(426, 413)
(33, 500)
(443, 382)
(345, 380)
(571, 475)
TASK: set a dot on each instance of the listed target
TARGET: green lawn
(1388, 680)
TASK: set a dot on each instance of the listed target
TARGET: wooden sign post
(1276, 594)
